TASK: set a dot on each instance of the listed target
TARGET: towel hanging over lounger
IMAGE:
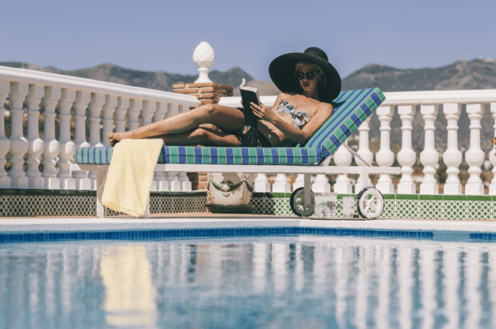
(130, 175)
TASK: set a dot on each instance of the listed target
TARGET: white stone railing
(405, 104)
(70, 103)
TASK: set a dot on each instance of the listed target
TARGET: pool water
(301, 281)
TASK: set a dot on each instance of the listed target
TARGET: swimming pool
(272, 281)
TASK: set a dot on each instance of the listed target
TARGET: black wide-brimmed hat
(282, 71)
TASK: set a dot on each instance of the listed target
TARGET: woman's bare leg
(227, 118)
(201, 136)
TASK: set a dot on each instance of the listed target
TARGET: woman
(309, 84)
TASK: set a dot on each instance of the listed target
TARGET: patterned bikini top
(300, 118)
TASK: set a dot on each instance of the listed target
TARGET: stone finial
(204, 57)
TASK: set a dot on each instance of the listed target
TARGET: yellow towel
(130, 175)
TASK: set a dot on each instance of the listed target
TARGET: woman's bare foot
(114, 138)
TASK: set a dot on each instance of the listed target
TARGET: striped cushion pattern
(213, 155)
(357, 107)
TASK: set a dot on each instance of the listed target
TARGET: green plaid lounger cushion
(213, 155)
(356, 106)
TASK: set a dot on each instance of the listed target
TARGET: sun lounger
(354, 107)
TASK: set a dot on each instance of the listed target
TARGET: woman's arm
(287, 129)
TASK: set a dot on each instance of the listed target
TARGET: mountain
(475, 74)
(479, 73)
(155, 80)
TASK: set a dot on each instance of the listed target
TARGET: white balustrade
(429, 156)
(35, 144)
(126, 103)
(122, 106)
(95, 108)
(159, 182)
(51, 145)
(365, 153)
(133, 113)
(406, 156)
(108, 117)
(343, 157)
(120, 115)
(262, 184)
(321, 184)
(4, 141)
(474, 156)
(173, 182)
(385, 157)
(67, 146)
(80, 106)
(299, 182)
(453, 156)
(18, 143)
(492, 153)
(281, 184)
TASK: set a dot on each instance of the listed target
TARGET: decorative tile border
(46, 203)
(215, 232)
(398, 206)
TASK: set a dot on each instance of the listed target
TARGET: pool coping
(180, 221)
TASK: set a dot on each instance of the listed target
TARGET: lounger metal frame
(306, 170)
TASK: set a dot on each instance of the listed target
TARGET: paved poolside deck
(210, 221)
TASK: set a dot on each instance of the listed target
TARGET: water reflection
(281, 282)
(129, 293)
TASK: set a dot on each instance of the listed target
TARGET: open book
(248, 95)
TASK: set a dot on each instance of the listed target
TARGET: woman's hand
(263, 112)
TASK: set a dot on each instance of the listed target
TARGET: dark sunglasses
(306, 75)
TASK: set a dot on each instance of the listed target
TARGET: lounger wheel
(370, 203)
(297, 203)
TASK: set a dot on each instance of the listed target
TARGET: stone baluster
(385, 157)
(452, 157)
(18, 143)
(95, 108)
(108, 117)
(492, 153)
(158, 177)
(35, 144)
(262, 184)
(52, 145)
(300, 182)
(281, 184)
(321, 184)
(149, 108)
(4, 141)
(82, 100)
(474, 156)
(365, 153)
(171, 177)
(429, 156)
(407, 156)
(120, 114)
(172, 109)
(182, 176)
(184, 180)
(133, 113)
(67, 146)
(173, 182)
(343, 157)
(147, 113)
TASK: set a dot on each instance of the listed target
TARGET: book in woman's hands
(248, 95)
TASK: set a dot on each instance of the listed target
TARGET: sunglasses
(306, 75)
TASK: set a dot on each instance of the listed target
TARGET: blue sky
(161, 35)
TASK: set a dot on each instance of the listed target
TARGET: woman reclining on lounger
(309, 84)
